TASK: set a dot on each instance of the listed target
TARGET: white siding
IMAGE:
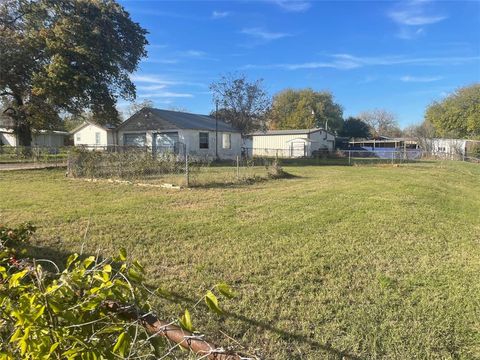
(48, 139)
(290, 145)
(191, 139)
(7, 137)
(86, 136)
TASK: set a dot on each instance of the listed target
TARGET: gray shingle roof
(157, 119)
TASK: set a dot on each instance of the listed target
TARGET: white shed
(41, 138)
(94, 136)
(290, 143)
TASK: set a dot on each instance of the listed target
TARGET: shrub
(64, 314)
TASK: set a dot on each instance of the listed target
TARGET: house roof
(289, 132)
(158, 119)
(86, 123)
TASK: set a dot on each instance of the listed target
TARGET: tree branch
(185, 339)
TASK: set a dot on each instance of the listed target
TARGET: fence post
(187, 180)
(393, 156)
(238, 168)
(349, 157)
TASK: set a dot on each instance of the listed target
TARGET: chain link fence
(173, 166)
(34, 154)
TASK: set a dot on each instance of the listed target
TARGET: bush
(64, 314)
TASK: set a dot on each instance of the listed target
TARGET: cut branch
(185, 339)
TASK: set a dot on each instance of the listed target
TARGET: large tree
(305, 109)
(457, 114)
(381, 123)
(242, 103)
(65, 56)
(355, 128)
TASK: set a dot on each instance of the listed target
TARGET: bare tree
(381, 123)
(423, 134)
(137, 106)
(243, 103)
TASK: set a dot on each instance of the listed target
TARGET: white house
(43, 138)
(289, 143)
(92, 135)
(165, 131)
(454, 147)
(175, 131)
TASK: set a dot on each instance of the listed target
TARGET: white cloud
(152, 79)
(165, 94)
(408, 78)
(263, 34)
(348, 61)
(151, 87)
(293, 5)
(412, 17)
(220, 14)
(408, 17)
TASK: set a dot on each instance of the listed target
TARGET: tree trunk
(24, 133)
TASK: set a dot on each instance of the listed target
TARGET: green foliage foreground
(63, 314)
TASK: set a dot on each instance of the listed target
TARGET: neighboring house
(454, 147)
(44, 138)
(174, 131)
(289, 143)
(94, 136)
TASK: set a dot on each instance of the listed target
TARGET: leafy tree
(243, 103)
(457, 114)
(305, 109)
(381, 123)
(65, 56)
(355, 128)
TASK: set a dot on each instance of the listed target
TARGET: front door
(297, 149)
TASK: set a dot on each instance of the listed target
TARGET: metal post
(393, 154)
(349, 157)
(216, 130)
(238, 168)
(187, 180)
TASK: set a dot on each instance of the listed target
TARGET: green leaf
(71, 259)
(15, 278)
(226, 290)
(186, 321)
(212, 302)
(123, 254)
(121, 344)
(107, 268)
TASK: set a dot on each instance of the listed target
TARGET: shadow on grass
(284, 334)
(242, 183)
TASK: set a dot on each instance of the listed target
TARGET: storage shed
(289, 143)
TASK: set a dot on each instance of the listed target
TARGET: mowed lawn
(355, 262)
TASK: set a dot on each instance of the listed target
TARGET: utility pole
(216, 130)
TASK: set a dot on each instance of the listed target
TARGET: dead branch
(157, 327)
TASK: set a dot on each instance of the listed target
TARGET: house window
(227, 144)
(97, 138)
(79, 138)
(203, 137)
(134, 139)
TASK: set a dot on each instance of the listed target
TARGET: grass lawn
(359, 262)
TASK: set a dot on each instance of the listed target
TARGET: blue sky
(370, 54)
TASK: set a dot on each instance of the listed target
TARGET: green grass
(360, 262)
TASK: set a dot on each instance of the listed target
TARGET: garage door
(134, 139)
